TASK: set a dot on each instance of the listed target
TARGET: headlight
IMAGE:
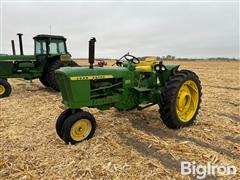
(157, 68)
(163, 68)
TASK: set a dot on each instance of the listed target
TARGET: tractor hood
(75, 84)
(85, 73)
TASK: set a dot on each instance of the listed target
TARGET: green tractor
(131, 84)
(50, 54)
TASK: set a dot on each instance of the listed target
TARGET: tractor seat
(146, 65)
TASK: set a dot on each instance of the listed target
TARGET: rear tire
(44, 80)
(78, 127)
(5, 88)
(180, 99)
(50, 75)
(51, 79)
(74, 64)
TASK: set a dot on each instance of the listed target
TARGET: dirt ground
(127, 145)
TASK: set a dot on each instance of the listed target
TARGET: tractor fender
(169, 70)
(172, 67)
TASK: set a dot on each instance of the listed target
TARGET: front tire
(5, 88)
(60, 120)
(78, 127)
(180, 99)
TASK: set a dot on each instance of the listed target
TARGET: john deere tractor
(50, 54)
(131, 84)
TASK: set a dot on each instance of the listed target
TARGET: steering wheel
(132, 58)
(129, 58)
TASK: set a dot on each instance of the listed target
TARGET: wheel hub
(2, 89)
(81, 129)
(187, 100)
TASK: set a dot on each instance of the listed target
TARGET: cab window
(40, 47)
(57, 47)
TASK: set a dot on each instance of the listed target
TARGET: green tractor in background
(131, 84)
(50, 54)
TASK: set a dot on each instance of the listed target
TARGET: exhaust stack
(91, 57)
(20, 43)
(13, 47)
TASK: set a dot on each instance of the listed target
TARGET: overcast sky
(183, 29)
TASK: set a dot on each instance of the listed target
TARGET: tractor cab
(50, 53)
(50, 45)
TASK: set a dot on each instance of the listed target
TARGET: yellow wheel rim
(2, 89)
(187, 101)
(81, 129)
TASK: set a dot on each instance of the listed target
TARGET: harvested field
(127, 145)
